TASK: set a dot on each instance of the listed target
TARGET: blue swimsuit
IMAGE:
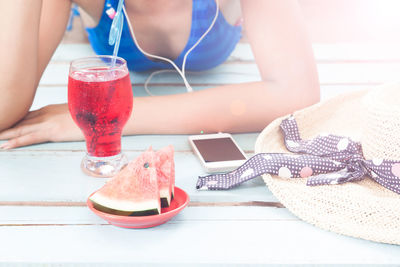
(214, 49)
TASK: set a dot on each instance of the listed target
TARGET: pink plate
(180, 201)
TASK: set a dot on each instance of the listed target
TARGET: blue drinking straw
(116, 31)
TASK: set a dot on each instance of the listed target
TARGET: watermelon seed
(146, 165)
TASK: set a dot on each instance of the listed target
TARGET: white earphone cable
(181, 72)
(148, 79)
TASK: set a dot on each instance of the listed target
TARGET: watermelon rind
(121, 207)
(165, 174)
(165, 200)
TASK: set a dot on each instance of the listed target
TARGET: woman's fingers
(23, 127)
(18, 136)
(52, 123)
(15, 132)
(24, 140)
(20, 128)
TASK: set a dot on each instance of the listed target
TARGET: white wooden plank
(140, 143)
(242, 52)
(185, 242)
(57, 74)
(356, 52)
(69, 52)
(384, 70)
(46, 95)
(358, 73)
(56, 176)
(329, 73)
(61, 215)
(37, 215)
(49, 95)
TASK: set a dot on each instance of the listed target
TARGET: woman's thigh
(53, 21)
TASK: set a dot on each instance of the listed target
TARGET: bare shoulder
(91, 11)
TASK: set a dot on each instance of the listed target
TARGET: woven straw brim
(362, 209)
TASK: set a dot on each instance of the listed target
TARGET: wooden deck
(44, 220)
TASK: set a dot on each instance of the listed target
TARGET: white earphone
(181, 72)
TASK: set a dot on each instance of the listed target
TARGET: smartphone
(217, 152)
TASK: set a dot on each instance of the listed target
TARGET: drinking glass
(100, 102)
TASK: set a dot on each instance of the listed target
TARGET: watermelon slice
(166, 174)
(133, 191)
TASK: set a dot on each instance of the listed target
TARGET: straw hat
(363, 209)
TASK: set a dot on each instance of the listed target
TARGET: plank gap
(234, 204)
(222, 84)
(51, 224)
(81, 150)
(246, 61)
(150, 84)
(43, 203)
(169, 222)
(191, 204)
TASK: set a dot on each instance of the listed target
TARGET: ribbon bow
(327, 159)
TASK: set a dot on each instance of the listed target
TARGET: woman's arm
(289, 82)
(284, 56)
(18, 53)
(29, 36)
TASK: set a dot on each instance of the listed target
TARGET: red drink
(100, 102)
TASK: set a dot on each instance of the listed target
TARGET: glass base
(103, 166)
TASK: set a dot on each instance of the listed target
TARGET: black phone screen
(218, 149)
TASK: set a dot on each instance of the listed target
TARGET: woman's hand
(51, 123)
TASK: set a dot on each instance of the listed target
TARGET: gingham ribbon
(327, 159)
